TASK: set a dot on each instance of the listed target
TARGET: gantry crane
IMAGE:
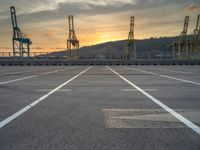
(195, 40)
(181, 46)
(21, 44)
(72, 42)
(130, 47)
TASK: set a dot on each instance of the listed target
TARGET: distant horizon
(57, 49)
(96, 21)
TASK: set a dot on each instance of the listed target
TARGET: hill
(114, 50)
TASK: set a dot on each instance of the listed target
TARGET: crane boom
(132, 26)
(198, 26)
(185, 29)
(198, 23)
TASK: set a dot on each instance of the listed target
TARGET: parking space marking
(18, 72)
(187, 81)
(184, 120)
(13, 73)
(147, 72)
(166, 76)
(19, 79)
(51, 72)
(29, 77)
(194, 70)
(175, 71)
(25, 109)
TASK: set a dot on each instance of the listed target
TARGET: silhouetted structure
(21, 44)
(72, 42)
(181, 46)
(130, 47)
(195, 39)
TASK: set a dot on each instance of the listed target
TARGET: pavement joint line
(165, 76)
(135, 90)
(184, 120)
(48, 90)
(28, 107)
(29, 77)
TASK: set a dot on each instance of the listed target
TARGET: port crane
(181, 46)
(21, 44)
(130, 47)
(72, 41)
(195, 40)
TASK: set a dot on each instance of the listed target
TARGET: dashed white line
(184, 120)
(25, 109)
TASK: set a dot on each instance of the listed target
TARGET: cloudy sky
(96, 21)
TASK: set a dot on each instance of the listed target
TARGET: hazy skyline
(96, 21)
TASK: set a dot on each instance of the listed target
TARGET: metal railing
(104, 55)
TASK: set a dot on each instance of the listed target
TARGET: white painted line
(13, 73)
(22, 111)
(184, 120)
(48, 90)
(20, 79)
(169, 70)
(51, 72)
(4, 71)
(165, 76)
(194, 70)
(135, 90)
(18, 72)
(147, 72)
(187, 81)
(16, 80)
(54, 71)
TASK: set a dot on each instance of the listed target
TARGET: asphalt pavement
(100, 108)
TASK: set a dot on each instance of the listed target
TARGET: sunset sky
(96, 21)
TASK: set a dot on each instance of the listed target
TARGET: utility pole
(21, 44)
(72, 42)
(130, 47)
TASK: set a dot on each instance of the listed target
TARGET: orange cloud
(50, 33)
(193, 8)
